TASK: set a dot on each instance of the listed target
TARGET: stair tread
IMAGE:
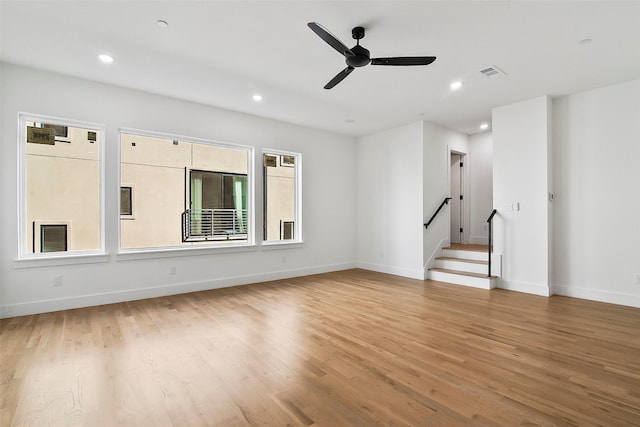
(468, 248)
(462, 273)
(471, 261)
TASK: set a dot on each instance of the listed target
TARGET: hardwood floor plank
(345, 348)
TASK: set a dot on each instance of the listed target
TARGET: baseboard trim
(527, 288)
(598, 295)
(404, 272)
(46, 306)
(431, 262)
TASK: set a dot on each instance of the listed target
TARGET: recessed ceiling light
(107, 59)
(484, 126)
(584, 42)
(257, 97)
(456, 85)
(162, 24)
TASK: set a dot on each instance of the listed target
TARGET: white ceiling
(222, 52)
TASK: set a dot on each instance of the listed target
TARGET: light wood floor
(347, 348)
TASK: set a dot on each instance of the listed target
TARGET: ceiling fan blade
(339, 77)
(404, 60)
(332, 40)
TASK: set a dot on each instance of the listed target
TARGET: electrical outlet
(637, 278)
(172, 270)
(57, 281)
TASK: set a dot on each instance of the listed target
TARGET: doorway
(457, 198)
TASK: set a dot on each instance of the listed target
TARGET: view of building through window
(281, 201)
(173, 192)
(181, 193)
(61, 199)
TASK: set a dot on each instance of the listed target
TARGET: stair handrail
(490, 243)
(444, 202)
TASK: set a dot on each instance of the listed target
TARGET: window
(286, 230)
(218, 206)
(188, 192)
(126, 202)
(282, 206)
(53, 238)
(60, 185)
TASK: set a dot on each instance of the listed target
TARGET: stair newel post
(490, 241)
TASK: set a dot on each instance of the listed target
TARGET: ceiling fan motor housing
(360, 57)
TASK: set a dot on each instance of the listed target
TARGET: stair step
(461, 264)
(473, 261)
(464, 278)
(461, 273)
(467, 247)
(453, 252)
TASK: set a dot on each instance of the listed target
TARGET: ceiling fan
(358, 56)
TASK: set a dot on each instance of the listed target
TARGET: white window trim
(218, 247)
(23, 245)
(298, 199)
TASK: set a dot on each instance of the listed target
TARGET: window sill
(282, 244)
(67, 259)
(147, 253)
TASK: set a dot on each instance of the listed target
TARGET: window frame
(23, 245)
(297, 216)
(203, 247)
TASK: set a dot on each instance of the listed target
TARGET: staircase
(466, 265)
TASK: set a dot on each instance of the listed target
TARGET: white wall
(480, 165)
(438, 144)
(329, 199)
(389, 186)
(521, 147)
(597, 201)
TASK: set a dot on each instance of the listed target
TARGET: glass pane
(125, 201)
(62, 179)
(280, 196)
(53, 238)
(185, 192)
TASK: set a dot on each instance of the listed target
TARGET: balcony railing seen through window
(214, 224)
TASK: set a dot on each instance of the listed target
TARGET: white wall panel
(329, 197)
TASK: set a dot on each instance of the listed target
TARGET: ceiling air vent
(493, 71)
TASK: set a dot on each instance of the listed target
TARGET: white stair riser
(456, 279)
(496, 259)
(469, 267)
(474, 255)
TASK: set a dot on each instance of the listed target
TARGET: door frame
(465, 223)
